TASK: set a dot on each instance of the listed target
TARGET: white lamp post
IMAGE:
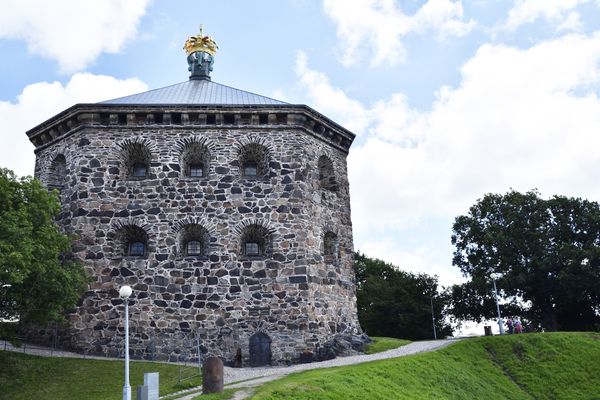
(124, 293)
(495, 276)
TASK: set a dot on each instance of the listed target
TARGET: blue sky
(449, 99)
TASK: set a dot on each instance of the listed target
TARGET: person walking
(510, 325)
(518, 326)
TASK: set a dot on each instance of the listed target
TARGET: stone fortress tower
(227, 212)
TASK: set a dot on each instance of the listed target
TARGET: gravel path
(239, 374)
(247, 378)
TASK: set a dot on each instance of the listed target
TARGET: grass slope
(380, 344)
(25, 377)
(530, 366)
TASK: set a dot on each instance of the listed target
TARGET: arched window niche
(133, 241)
(57, 173)
(330, 247)
(194, 241)
(135, 159)
(194, 160)
(255, 241)
(254, 161)
(327, 174)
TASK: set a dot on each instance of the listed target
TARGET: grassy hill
(25, 377)
(530, 366)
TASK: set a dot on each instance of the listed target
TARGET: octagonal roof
(196, 92)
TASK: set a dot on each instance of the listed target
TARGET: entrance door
(260, 350)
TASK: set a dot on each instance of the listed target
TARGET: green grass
(380, 344)
(531, 366)
(25, 377)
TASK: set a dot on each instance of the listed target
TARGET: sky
(449, 100)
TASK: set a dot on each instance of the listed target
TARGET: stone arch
(131, 238)
(327, 179)
(135, 156)
(57, 172)
(254, 157)
(194, 156)
(256, 238)
(260, 349)
(193, 236)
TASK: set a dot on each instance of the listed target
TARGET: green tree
(396, 303)
(38, 282)
(547, 252)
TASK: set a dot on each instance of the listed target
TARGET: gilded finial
(200, 42)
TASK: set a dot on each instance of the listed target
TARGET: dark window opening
(327, 178)
(194, 248)
(282, 118)
(263, 119)
(158, 118)
(196, 170)
(122, 119)
(58, 172)
(255, 241)
(250, 168)
(194, 241)
(176, 118)
(245, 118)
(251, 249)
(229, 119)
(104, 118)
(330, 244)
(136, 249)
(139, 170)
(211, 119)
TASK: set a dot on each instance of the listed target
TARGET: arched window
(135, 159)
(195, 160)
(57, 172)
(136, 249)
(254, 161)
(194, 240)
(256, 241)
(250, 168)
(134, 241)
(139, 170)
(327, 174)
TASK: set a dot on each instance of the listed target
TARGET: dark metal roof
(200, 92)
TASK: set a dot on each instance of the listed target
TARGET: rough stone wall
(299, 293)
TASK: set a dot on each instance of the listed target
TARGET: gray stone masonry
(185, 243)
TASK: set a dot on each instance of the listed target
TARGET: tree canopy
(547, 253)
(38, 282)
(396, 303)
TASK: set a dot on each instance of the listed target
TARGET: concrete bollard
(212, 375)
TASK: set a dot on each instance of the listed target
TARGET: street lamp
(495, 276)
(433, 318)
(124, 293)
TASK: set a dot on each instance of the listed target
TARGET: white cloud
(572, 23)
(40, 101)
(373, 29)
(555, 11)
(72, 32)
(520, 118)
(328, 99)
